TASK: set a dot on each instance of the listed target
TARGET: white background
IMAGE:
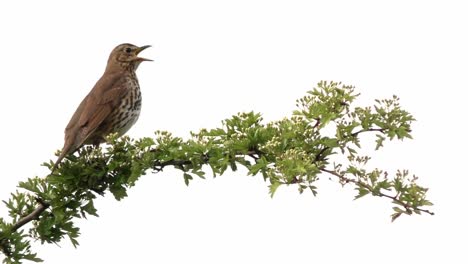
(214, 59)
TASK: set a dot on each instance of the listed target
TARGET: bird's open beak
(140, 49)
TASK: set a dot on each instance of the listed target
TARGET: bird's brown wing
(94, 109)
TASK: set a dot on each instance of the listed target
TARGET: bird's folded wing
(97, 106)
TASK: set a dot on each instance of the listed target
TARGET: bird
(112, 106)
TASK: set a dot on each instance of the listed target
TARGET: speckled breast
(126, 114)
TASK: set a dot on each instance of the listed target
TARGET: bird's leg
(98, 141)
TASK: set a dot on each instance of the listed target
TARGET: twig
(318, 157)
(317, 123)
(254, 154)
(159, 166)
(381, 130)
(370, 189)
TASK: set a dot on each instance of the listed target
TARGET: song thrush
(112, 106)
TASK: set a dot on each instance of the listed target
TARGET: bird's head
(126, 56)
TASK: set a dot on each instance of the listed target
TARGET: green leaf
(90, 209)
(273, 187)
(379, 141)
(396, 215)
(33, 257)
(427, 203)
(254, 169)
(362, 192)
(313, 189)
(135, 175)
(74, 241)
(331, 142)
(187, 178)
(301, 188)
(118, 191)
(216, 132)
(233, 165)
(199, 173)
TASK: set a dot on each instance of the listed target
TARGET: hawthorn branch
(371, 190)
(34, 215)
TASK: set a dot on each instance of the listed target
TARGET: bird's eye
(128, 50)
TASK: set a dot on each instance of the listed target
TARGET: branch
(370, 189)
(317, 123)
(159, 166)
(381, 130)
(32, 216)
(254, 154)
